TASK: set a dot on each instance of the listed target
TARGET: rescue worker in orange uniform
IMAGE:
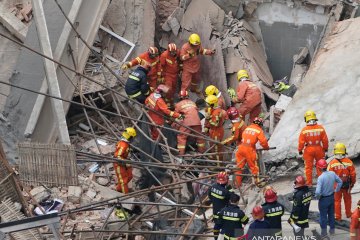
(344, 168)
(152, 57)
(170, 65)
(123, 171)
(212, 90)
(355, 223)
(189, 110)
(156, 103)
(246, 152)
(237, 128)
(189, 54)
(249, 95)
(313, 137)
(214, 122)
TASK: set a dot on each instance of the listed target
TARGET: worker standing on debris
(189, 54)
(273, 212)
(170, 65)
(355, 223)
(158, 107)
(249, 95)
(325, 193)
(152, 57)
(299, 217)
(215, 119)
(219, 195)
(189, 110)
(136, 86)
(246, 152)
(212, 90)
(344, 168)
(314, 138)
(123, 171)
(231, 219)
(260, 228)
(238, 126)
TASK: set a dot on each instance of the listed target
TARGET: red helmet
(153, 51)
(222, 178)
(184, 94)
(172, 47)
(162, 89)
(321, 164)
(299, 181)
(233, 113)
(270, 196)
(258, 121)
(258, 212)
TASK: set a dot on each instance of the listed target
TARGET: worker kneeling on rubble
(123, 171)
(299, 217)
(231, 219)
(212, 90)
(189, 110)
(136, 86)
(273, 211)
(344, 168)
(219, 195)
(314, 138)
(246, 152)
(355, 223)
(249, 95)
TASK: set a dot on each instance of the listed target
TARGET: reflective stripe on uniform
(312, 130)
(244, 218)
(138, 59)
(152, 102)
(230, 238)
(188, 105)
(215, 216)
(303, 221)
(306, 199)
(295, 217)
(253, 129)
(154, 63)
(231, 218)
(339, 164)
(200, 144)
(217, 196)
(352, 234)
(171, 113)
(169, 61)
(134, 78)
(135, 95)
(274, 214)
(181, 146)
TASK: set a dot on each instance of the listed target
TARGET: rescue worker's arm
(144, 86)
(164, 108)
(339, 183)
(163, 60)
(297, 202)
(233, 137)
(219, 222)
(185, 53)
(354, 226)
(159, 73)
(325, 140)
(205, 51)
(215, 119)
(263, 141)
(301, 141)
(244, 219)
(352, 174)
(241, 90)
(136, 61)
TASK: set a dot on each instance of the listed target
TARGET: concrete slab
(12, 23)
(337, 105)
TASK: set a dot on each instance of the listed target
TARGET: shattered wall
(331, 88)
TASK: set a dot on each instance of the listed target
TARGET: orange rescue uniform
(236, 132)
(246, 152)
(123, 171)
(170, 66)
(249, 95)
(190, 111)
(316, 143)
(215, 124)
(355, 225)
(155, 71)
(345, 169)
(159, 107)
(189, 54)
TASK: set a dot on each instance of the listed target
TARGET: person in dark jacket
(136, 86)
(219, 195)
(301, 203)
(231, 219)
(260, 228)
(273, 211)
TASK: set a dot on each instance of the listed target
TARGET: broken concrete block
(12, 23)
(283, 102)
(297, 74)
(91, 193)
(40, 193)
(299, 58)
(174, 25)
(228, 5)
(102, 181)
(74, 194)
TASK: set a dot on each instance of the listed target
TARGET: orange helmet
(222, 178)
(172, 47)
(233, 113)
(299, 181)
(162, 89)
(258, 212)
(153, 51)
(184, 94)
(321, 164)
(270, 196)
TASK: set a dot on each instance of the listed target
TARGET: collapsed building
(62, 98)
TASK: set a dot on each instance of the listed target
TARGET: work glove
(231, 92)
(212, 52)
(300, 153)
(125, 66)
(206, 130)
(160, 80)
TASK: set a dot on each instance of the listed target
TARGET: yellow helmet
(129, 132)
(242, 73)
(211, 100)
(309, 115)
(211, 90)
(194, 39)
(339, 148)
